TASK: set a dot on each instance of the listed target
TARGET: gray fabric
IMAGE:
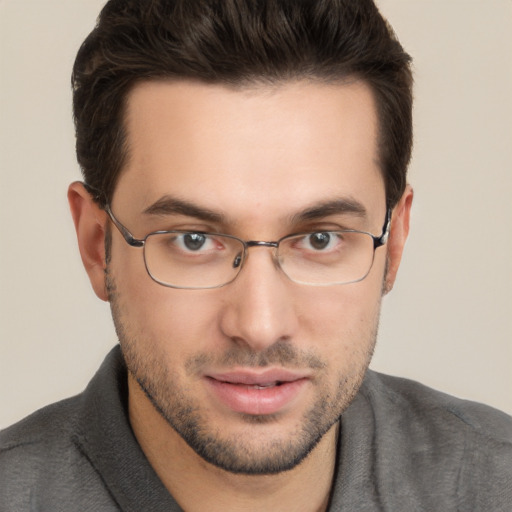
(403, 447)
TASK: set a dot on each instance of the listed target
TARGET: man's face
(252, 374)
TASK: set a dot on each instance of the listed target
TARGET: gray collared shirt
(403, 447)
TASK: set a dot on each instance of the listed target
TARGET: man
(245, 208)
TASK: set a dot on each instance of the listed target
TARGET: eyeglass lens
(199, 260)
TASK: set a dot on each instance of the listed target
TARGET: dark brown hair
(237, 43)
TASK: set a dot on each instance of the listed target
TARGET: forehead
(252, 152)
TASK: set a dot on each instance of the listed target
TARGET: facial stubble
(234, 453)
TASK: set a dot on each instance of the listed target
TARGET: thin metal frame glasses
(202, 260)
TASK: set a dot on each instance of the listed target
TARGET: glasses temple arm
(382, 239)
(130, 239)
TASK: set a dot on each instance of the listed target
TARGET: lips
(254, 393)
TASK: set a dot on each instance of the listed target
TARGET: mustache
(281, 353)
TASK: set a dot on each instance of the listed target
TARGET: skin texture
(255, 157)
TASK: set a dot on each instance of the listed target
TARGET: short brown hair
(236, 42)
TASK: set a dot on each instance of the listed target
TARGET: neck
(188, 478)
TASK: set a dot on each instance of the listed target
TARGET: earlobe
(90, 224)
(397, 237)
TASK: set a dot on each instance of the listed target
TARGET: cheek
(346, 307)
(158, 316)
(341, 322)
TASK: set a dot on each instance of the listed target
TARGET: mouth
(255, 393)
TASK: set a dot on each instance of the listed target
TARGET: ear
(90, 222)
(397, 237)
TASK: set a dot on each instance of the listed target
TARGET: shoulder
(436, 410)
(41, 464)
(37, 448)
(47, 430)
(457, 445)
(48, 437)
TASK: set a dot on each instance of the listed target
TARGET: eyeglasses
(199, 260)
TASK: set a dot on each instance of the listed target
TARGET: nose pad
(237, 261)
(241, 257)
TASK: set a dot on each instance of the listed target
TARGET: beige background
(448, 322)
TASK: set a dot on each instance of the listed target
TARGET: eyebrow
(168, 205)
(335, 206)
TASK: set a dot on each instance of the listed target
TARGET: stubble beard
(234, 453)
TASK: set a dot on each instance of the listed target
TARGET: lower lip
(250, 400)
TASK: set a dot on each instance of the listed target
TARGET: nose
(259, 306)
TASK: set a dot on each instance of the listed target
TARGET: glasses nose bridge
(259, 243)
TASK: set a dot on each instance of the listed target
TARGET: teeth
(264, 386)
(258, 386)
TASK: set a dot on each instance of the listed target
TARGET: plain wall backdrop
(448, 322)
